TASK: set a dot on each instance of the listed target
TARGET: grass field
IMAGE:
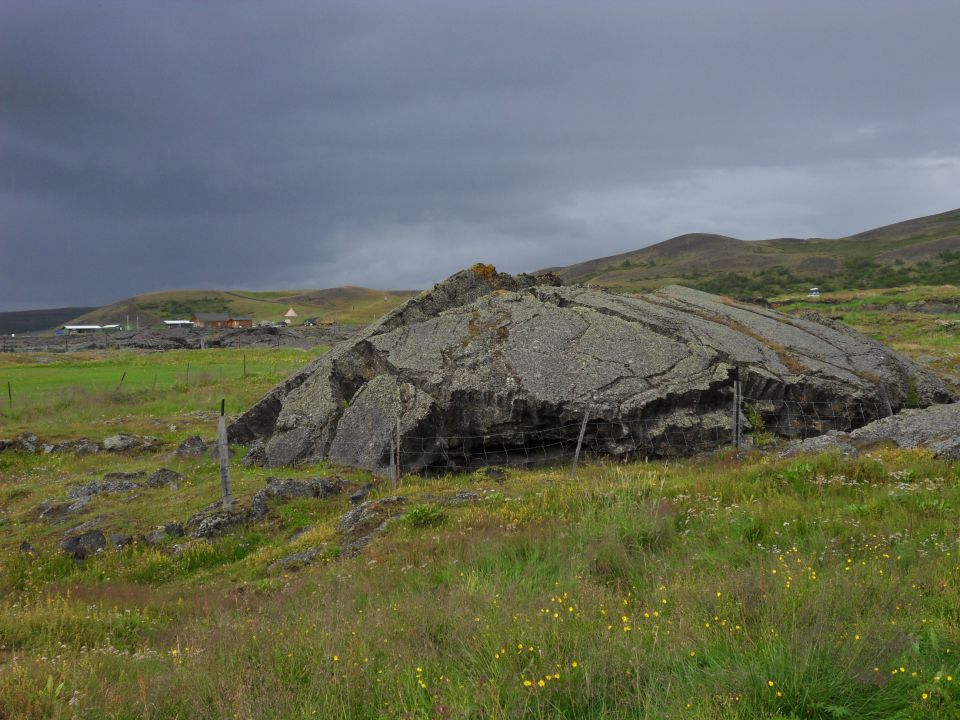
(720, 587)
(57, 394)
(885, 315)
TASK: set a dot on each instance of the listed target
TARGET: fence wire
(679, 433)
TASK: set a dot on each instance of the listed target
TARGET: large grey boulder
(936, 428)
(487, 368)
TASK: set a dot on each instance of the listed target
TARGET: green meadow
(729, 586)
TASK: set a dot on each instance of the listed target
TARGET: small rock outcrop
(367, 520)
(290, 489)
(84, 544)
(167, 530)
(26, 442)
(192, 447)
(297, 561)
(216, 520)
(29, 443)
(487, 368)
(126, 442)
(936, 428)
(79, 446)
(163, 477)
(111, 483)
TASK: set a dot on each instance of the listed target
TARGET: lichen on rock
(487, 368)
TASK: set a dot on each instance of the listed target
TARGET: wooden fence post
(224, 452)
(9, 395)
(737, 401)
(397, 479)
(576, 454)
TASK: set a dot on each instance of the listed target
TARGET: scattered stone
(360, 495)
(120, 540)
(168, 530)
(256, 456)
(215, 520)
(360, 525)
(79, 504)
(98, 487)
(297, 561)
(192, 447)
(289, 489)
(25, 442)
(52, 510)
(494, 369)
(27, 549)
(163, 477)
(498, 475)
(84, 526)
(79, 446)
(125, 442)
(84, 545)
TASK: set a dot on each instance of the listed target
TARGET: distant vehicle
(813, 292)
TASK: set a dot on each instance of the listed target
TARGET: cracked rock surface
(936, 428)
(488, 368)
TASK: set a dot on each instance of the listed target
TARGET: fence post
(244, 359)
(10, 395)
(122, 378)
(224, 452)
(576, 454)
(396, 482)
(393, 461)
(737, 402)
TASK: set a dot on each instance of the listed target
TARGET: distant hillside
(25, 321)
(345, 305)
(921, 251)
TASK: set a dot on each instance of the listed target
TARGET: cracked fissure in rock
(488, 368)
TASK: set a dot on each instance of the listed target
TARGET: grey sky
(153, 145)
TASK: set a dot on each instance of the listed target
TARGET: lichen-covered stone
(486, 368)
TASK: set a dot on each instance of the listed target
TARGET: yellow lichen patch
(484, 270)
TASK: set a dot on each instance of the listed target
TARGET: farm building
(221, 320)
(178, 323)
(81, 329)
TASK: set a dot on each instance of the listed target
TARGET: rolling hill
(923, 250)
(344, 305)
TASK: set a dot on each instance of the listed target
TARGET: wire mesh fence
(680, 432)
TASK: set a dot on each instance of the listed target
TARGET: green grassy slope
(923, 250)
(348, 305)
(722, 587)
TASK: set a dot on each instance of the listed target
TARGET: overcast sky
(153, 145)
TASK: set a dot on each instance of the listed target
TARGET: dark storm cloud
(147, 145)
